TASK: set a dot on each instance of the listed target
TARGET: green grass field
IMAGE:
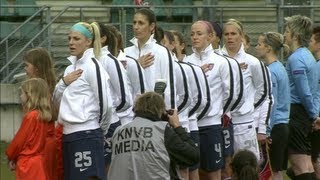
(5, 173)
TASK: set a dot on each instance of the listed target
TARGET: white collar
(134, 41)
(86, 53)
(204, 52)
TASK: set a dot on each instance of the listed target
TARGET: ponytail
(286, 51)
(90, 31)
(96, 40)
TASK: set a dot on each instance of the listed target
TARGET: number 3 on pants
(82, 159)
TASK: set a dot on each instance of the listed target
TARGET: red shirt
(27, 147)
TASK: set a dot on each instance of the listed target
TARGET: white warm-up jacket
(79, 101)
(219, 82)
(262, 109)
(254, 92)
(119, 85)
(163, 68)
(184, 96)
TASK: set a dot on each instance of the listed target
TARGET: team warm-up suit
(119, 85)
(236, 101)
(135, 74)
(183, 92)
(263, 107)
(219, 94)
(85, 112)
(242, 116)
(162, 69)
(198, 94)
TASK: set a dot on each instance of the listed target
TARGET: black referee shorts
(278, 152)
(315, 145)
(300, 128)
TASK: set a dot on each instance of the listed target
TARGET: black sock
(314, 176)
(304, 176)
(290, 173)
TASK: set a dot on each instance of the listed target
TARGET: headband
(207, 24)
(82, 29)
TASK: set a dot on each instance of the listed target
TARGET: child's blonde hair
(38, 98)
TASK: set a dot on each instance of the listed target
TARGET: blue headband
(83, 30)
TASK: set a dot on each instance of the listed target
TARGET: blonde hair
(273, 39)
(38, 98)
(276, 42)
(207, 25)
(300, 27)
(93, 28)
(237, 24)
(40, 58)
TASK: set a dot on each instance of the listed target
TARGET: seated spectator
(244, 166)
(153, 145)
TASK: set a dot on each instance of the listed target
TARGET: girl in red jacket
(25, 152)
(38, 64)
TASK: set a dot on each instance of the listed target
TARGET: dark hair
(216, 28)
(170, 36)
(316, 33)
(111, 41)
(119, 39)
(245, 165)
(247, 38)
(180, 38)
(40, 58)
(151, 17)
(159, 34)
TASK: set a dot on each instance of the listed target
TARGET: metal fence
(19, 36)
(51, 27)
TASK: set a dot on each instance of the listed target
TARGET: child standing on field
(38, 64)
(25, 152)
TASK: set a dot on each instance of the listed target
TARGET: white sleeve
(119, 84)
(102, 93)
(259, 82)
(136, 77)
(238, 85)
(203, 86)
(166, 67)
(184, 96)
(194, 89)
(59, 89)
(266, 106)
(227, 84)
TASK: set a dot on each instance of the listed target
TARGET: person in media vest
(153, 145)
